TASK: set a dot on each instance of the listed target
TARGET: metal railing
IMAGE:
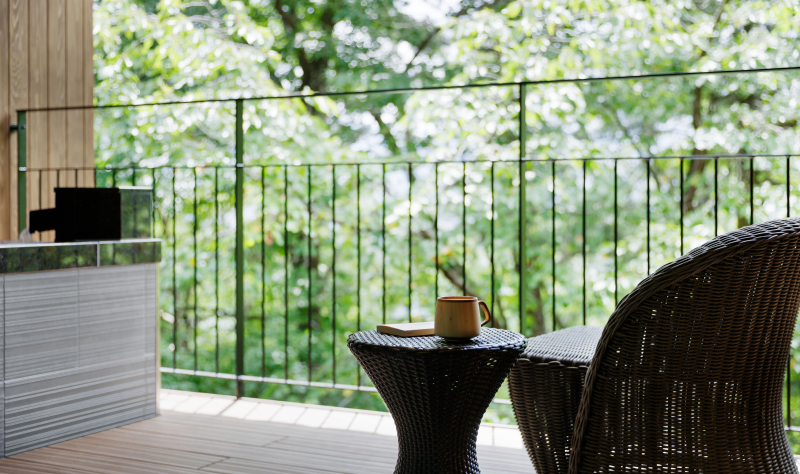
(355, 215)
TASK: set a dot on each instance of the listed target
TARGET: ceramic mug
(459, 317)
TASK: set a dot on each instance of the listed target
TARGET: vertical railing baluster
(583, 244)
(522, 203)
(436, 229)
(788, 187)
(240, 316)
(113, 177)
(152, 201)
(647, 178)
(616, 237)
(383, 243)
(194, 265)
(752, 189)
(216, 267)
(716, 197)
(680, 169)
(174, 276)
(789, 391)
(491, 254)
(358, 258)
(410, 235)
(789, 361)
(333, 272)
(135, 212)
(310, 283)
(22, 168)
(76, 176)
(553, 241)
(464, 229)
(286, 272)
(263, 274)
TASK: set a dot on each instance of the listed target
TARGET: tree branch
(625, 130)
(289, 20)
(464, 10)
(704, 53)
(422, 46)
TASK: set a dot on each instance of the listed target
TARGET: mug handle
(485, 312)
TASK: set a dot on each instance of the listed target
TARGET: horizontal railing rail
(116, 169)
(302, 95)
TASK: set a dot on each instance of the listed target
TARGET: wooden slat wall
(74, 90)
(45, 61)
(39, 194)
(88, 91)
(5, 182)
(57, 86)
(17, 96)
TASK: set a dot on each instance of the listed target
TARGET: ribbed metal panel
(113, 304)
(41, 323)
(151, 353)
(80, 353)
(2, 363)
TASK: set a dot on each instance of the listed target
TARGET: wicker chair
(687, 375)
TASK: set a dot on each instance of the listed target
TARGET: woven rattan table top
(488, 339)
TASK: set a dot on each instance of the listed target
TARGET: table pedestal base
(440, 457)
(438, 397)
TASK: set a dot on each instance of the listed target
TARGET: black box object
(81, 214)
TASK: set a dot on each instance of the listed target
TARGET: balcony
(268, 265)
(319, 168)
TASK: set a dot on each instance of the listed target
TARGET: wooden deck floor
(211, 434)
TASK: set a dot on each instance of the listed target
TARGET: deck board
(198, 433)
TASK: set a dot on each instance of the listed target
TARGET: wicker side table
(546, 386)
(437, 392)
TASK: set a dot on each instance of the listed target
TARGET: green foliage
(148, 51)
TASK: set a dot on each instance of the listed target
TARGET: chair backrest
(688, 374)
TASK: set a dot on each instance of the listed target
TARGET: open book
(407, 329)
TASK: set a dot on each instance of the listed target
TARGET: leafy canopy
(161, 50)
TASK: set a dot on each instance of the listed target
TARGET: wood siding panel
(45, 61)
(88, 90)
(56, 21)
(18, 94)
(74, 77)
(18, 59)
(37, 59)
(5, 122)
(40, 196)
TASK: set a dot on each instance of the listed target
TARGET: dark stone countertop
(17, 257)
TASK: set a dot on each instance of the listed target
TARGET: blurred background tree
(149, 51)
